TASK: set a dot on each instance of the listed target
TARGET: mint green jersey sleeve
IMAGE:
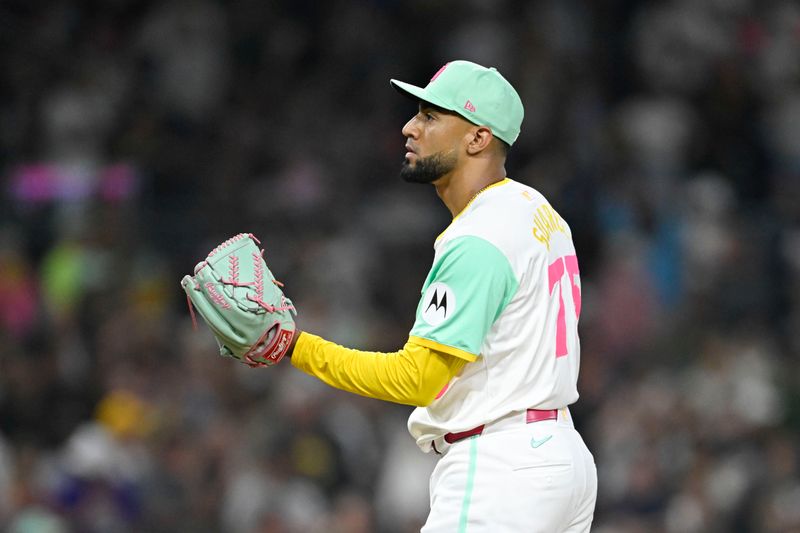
(467, 289)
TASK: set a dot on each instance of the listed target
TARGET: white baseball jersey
(503, 292)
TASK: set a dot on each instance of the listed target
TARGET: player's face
(433, 140)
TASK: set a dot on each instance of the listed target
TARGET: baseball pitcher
(492, 359)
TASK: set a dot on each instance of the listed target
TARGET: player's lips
(410, 150)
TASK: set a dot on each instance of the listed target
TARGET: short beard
(428, 169)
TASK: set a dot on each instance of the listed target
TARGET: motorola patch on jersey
(438, 303)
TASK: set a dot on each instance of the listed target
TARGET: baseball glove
(242, 303)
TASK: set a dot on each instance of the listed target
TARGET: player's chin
(406, 170)
(412, 173)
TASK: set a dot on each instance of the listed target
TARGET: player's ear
(478, 139)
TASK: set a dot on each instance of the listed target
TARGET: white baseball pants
(515, 477)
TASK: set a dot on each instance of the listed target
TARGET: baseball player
(492, 359)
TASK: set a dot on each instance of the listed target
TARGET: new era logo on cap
(469, 107)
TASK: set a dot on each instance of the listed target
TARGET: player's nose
(410, 130)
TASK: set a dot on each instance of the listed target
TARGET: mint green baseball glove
(242, 303)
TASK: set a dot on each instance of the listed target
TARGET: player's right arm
(413, 375)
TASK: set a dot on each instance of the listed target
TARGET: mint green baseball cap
(479, 94)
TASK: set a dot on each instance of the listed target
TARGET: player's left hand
(242, 303)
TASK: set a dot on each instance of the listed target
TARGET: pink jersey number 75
(555, 273)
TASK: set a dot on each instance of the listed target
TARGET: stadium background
(136, 135)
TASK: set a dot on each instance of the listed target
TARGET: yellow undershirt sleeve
(412, 376)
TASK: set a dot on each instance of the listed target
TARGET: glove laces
(258, 274)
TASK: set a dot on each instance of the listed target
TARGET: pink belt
(532, 415)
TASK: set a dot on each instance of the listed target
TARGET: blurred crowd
(136, 135)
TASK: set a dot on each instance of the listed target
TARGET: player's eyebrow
(427, 106)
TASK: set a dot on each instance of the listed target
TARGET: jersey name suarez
(504, 294)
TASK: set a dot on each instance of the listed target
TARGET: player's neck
(459, 188)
